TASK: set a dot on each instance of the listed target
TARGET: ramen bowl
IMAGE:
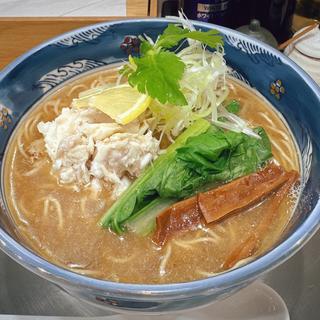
(292, 92)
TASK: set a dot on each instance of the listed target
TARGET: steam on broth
(153, 175)
(61, 223)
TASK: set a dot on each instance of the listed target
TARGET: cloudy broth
(61, 224)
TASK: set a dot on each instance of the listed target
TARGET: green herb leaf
(158, 75)
(158, 72)
(173, 34)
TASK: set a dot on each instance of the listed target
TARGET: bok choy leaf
(201, 155)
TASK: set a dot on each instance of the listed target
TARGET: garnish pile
(177, 86)
(158, 71)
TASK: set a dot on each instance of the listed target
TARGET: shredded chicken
(121, 153)
(86, 148)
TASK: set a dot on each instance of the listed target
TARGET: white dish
(256, 302)
(306, 53)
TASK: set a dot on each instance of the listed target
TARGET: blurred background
(278, 16)
(30, 22)
(50, 8)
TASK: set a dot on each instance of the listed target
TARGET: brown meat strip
(183, 215)
(247, 248)
(217, 203)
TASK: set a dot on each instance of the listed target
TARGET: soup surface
(60, 223)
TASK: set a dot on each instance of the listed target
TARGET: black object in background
(170, 8)
(274, 15)
(309, 8)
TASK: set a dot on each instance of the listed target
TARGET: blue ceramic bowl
(277, 78)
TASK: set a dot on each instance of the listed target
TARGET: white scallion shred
(203, 85)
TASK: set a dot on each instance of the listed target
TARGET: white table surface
(62, 8)
(256, 302)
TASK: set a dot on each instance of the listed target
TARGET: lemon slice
(122, 103)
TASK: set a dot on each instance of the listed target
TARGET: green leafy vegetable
(143, 222)
(231, 155)
(209, 156)
(212, 157)
(157, 72)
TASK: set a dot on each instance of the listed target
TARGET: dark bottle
(214, 11)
